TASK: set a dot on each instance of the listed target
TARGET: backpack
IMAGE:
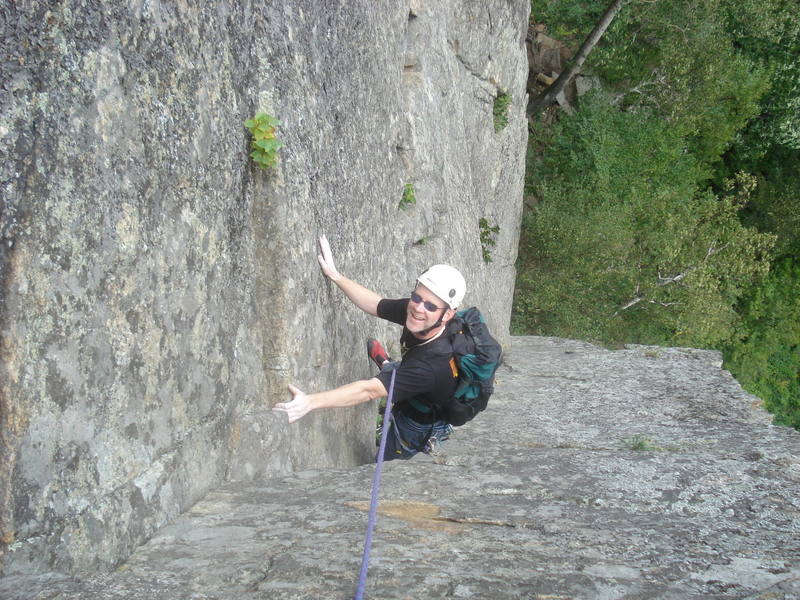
(478, 356)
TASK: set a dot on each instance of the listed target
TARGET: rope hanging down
(376, 481)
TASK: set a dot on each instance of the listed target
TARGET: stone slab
(594, 474)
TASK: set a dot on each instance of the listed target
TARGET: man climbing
(427, 376)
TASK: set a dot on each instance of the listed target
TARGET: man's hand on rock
(325, 259)
(297, 408)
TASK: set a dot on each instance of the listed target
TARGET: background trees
(625, 244)
(664, 208)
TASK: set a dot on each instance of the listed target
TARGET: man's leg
(396, 446)
(406, 437)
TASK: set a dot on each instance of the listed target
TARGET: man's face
(418, 317)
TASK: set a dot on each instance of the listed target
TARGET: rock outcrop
(639, 473)
(158, 292)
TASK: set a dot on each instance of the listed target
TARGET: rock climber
(426, 377)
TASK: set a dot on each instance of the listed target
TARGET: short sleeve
(393, 310)
(413, 379)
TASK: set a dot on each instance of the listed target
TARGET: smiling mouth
(416, 318)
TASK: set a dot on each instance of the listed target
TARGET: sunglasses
(429, 306)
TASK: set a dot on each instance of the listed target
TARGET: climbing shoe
(376, 352)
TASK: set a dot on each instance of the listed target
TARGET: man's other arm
(365, 299)
(350, 394)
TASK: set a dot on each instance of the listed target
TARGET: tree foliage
(655, 210)
(677, 58)
(775, 205)
(546, 98)
(767, 32)
(624, 245)
(767, 357)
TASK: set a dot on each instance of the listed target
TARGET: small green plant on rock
(409, 197)
(264, 145)
(488, 238)
(642, 443)
(500, 111)
(422, 241)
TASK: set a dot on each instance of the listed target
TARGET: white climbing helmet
(446, 282)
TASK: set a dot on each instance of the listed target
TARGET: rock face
(639, 473)
(158, 292)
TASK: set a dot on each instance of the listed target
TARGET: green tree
(766, 357)
(767, 32)
(677, 58)
(699, 80)
(775, 205)
(623, 245)
(549, 95)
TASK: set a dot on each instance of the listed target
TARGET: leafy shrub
(488, 235)
(500, 111)
(409, 197)
(264, 145)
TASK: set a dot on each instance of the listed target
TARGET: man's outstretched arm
(350, 394)
(365, 299)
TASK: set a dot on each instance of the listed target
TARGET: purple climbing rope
(376, 481)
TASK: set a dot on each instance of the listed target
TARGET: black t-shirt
(427, 376)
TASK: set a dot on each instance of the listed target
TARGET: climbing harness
(376, 480)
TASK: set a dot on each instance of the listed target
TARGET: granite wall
(157, 292)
